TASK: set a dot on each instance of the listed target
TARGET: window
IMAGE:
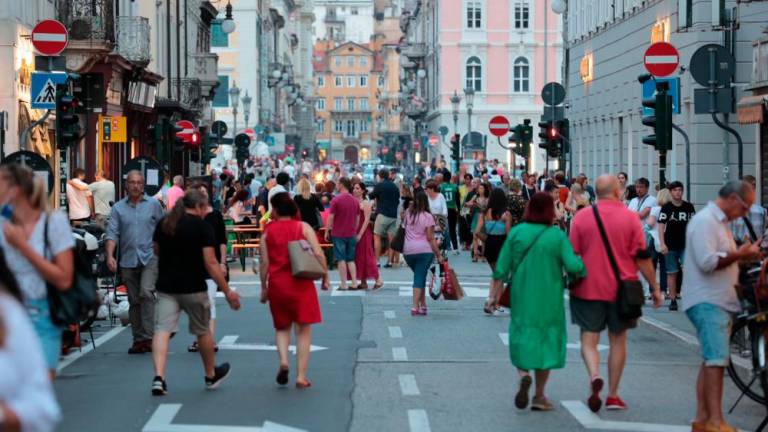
(338, 126)
(351, 81)
(365, 125)
(221, 98)
(320, 104)
(363, 61)
(363, 80)
(351, 128)
(364, 104)
(338, 80)
(521, 15)
(381, 81)
(521, 75)
(218, 37)
(381, 106)
(353, 10)
(320, 125)
(474, 14)
(380, 124)
(338, 104)
(351, 104)
(337, 60)
(474, 74)
(321, 81)
(351, 61)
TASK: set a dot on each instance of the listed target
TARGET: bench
(242, 247)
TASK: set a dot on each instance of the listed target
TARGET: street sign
(443, 131)
(704, 104)
(434, 140)
(150, 168)
(553, 93)
(43, 89)
(36, 163)
(499, 126)
(661, 59)
(50, 63)
(113, 129)
(50, 37)
(188, 128)
(219, 128)
(553, 113)
(725, 65)
(649, 91)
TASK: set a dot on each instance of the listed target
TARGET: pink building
(505, 50)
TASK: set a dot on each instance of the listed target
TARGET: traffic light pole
(740, 143)
(687, 161)
(662, 169)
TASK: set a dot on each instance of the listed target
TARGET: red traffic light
(195, 138)
(553, 132)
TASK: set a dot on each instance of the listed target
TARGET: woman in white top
(33, 259)
(651, 229)
(27, 401)
(439, 209)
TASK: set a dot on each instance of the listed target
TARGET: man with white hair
(176, 191)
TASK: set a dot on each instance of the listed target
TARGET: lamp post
(246, 107)
(455, 101)
(469, 97)
(234, 100)
(228, 25)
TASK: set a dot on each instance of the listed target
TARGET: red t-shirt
(563, 193)
(625, 234)
(345, 208)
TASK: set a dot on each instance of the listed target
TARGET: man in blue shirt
(387, 198)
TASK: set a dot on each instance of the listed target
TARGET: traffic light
(242, 141)
(178, 142)
(208, 146)
(563, 131)
(549, 138)
(660, 120)
(67, 122)
(456, 147)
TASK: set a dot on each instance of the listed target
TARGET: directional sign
(712, 57)
(36, 163)
(649, 90)
(553, 93)
(443, 130)
(188, 129)
(661, 59)
(43, 89)
(499, 126)
(50, 37)
(229, 342)
(162, 421)
(219, 128)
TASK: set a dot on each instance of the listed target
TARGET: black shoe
(159, 387)
(219, 374)
(673, 305)
(140, 347)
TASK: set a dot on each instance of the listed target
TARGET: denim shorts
(48, 332)
(713, 326)
(344, 248)
(419, 264)
(674, 260)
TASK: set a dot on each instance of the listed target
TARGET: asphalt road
(376, 368)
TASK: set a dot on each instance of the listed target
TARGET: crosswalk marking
(395, 332)
(399, 354)
(390, 314)
(408, 385)
(418, 421)
(590, 420)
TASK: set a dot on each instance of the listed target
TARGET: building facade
(605, 56)
(344, 20)
(504, 50)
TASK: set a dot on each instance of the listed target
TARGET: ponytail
(192, 199)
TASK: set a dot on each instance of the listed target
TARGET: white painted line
(590, 420)
(99, 341)
(395, 332)
(473, 292)
(228, 340)
(399, 354)
(577, 346)
(504, 338)
(49, 37)
(162, 421)
(355, 293)
(418, 421)
(389, 314)
(408, 385)
(658, 59)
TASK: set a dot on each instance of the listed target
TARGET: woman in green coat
(533, 260)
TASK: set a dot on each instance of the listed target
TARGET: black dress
(310, 209)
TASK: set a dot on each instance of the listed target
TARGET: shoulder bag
(304, 262)
(630, 298)
(398, 241)
(504, 299)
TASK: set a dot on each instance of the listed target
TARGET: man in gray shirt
(103, 191)
(131, 225)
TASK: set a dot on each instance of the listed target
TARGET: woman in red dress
(365, 257)
(292, 301)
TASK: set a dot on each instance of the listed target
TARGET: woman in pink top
(420, 248)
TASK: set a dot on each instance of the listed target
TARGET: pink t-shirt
(416, 233)
(344, 208)
(174, 193)
(626, 237)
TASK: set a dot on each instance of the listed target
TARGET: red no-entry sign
(499, 126)
(187, 132)
(50, 37)
(661, 59)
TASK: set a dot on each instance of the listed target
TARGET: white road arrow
(230, 343)
(590, 420)
(162, 421)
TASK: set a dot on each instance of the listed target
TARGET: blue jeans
(674, 261)
(48, 332)
(419, 264)
(344, 248)
(713, 326)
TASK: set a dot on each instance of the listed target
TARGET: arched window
(474, 74)
(522, 74)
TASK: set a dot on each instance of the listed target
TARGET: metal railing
(187, 91)
(133, 38)
(88, 19)
(414, 50)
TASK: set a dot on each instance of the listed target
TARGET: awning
(751, 109)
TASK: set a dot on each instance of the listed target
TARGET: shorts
(48, 332)
(212, 288)
(419, 264)
(385, 225)
(713, 327)
(344, 248)
(595, 315)
(674, 261)
(169, 307)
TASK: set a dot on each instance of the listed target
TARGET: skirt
(492, 247)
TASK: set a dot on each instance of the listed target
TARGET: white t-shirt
(639, 204)
(103, 192)
(290, 170)
(438, 206)
(77, 200)
(276, 189)
(24, 384)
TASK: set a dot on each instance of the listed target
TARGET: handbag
(434, 284)
(630, 298)
(505, 298)
(449, 285)
(398, 241)
(304, 262)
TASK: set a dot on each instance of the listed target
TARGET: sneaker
(521, 398)
(219, 374)
(159, 387)
(541, 404)
(456, 252)
(615, 404)
(673, 305)
(594, 402)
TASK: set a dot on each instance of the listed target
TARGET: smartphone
(6, 211)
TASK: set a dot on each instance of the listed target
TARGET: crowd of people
(539, 235)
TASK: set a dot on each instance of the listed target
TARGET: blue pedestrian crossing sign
(649, 90)
(43, 92)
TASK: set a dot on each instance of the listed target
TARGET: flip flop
(303, 385)
(282, 376)
(378, 286)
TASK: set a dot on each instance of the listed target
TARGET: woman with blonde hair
(651, 230)
(309, 204)
(38, 247)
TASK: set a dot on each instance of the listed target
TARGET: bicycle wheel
(739, 369)
(760, 357)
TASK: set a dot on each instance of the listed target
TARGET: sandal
(378, 285)
(193, 347)
(303, 385)
(282, 376)
(487, 308)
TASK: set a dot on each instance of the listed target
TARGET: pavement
(376, 368)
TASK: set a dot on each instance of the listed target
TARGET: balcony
(89, 20)
(133, 39)
(415, 111)
(187, 91)
(414, 50)
(207, 70)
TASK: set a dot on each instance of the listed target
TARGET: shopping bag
(450, 287)
(434, 283)
(504, 298)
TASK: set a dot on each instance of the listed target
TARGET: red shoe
(594, 402)
(615, 404)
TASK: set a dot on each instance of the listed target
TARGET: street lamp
(228, 25)
(469, 97)
(455, 101)
(247, 107)
(234, 100)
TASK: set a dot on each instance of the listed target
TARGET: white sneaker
(456, 252)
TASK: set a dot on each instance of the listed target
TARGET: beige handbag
(304, 262)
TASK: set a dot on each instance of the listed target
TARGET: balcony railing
(206, 67)
(415, 110)
(133, 38)
(88, 19)
(187, 91)
(414, 50)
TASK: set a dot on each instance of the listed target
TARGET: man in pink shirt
(342, 227)
(593, 300)
(176, 191)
